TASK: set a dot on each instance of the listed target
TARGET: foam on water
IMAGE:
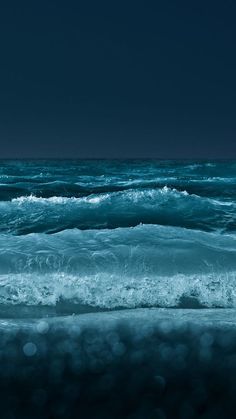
(110, 234)
(124, 357)
(125, 267)
(110, 291)
(163, 206)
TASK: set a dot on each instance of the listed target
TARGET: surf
(144, 266)
(165, 206)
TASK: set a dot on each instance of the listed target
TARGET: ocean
(116, 272)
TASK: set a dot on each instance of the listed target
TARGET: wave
(102, 291)
(125, 267)
(125, 234)
(118, 209)
(205, 187)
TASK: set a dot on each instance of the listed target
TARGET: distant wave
(81, 186)
(164, 206)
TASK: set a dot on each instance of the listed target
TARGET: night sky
(118, 78)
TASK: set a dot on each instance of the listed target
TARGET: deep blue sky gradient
(118, 78)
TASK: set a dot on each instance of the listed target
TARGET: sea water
(117, 289)
(117, 234)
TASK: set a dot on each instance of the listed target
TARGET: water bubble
(118, 349)
(207, 339)
(29, 349)
(42, 327)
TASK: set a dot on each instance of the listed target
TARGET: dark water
(144, 253)
(117, 234)
(134, 364)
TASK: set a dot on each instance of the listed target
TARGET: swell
(118, 209)
(71, 187)
(126, 234)
(134, 267)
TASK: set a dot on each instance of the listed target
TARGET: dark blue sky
(118, 78)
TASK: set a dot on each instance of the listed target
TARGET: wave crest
(134, 267)
(111, 292)
(163, 206)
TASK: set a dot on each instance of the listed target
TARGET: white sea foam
(165, 206)
(112, 291)
(98, 198)
(133, 267)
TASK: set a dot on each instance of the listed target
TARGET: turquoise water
(144, 253)
(85, 235)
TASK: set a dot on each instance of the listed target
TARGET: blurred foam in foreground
(143, 363)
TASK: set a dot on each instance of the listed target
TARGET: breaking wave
(164, 206)
(102, 235)
(125, 267)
